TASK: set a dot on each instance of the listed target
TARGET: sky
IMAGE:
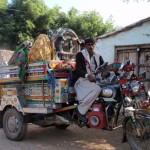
(123, 13)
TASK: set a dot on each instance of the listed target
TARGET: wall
(5, 55)
(134, 36)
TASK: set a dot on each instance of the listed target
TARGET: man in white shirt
(86, 89)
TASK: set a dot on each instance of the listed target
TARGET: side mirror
(148, 93)
(143, 75)
(105, 64)
(98, 69)
(113, 79)
(128, 62)
(122, 66)
(101, 67)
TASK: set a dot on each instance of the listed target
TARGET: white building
(131, 42)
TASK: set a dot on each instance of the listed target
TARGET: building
(131, 42)
(5, 55)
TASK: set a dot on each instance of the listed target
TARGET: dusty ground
(73, 138)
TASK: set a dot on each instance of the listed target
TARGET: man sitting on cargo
(86, 89)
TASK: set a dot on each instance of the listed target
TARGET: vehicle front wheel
(14, 124)
(135, 141)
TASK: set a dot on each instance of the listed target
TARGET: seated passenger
(86, 89)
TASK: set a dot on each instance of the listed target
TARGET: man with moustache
(85, 86)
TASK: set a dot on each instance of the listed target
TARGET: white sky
(123, 13)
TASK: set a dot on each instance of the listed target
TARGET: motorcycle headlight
(135, 86)
(128, 99)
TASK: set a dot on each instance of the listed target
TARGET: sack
(41, 49)
(19, 58)
(20, 54)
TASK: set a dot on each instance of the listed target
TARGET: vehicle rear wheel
(14, 124)
(135, 141)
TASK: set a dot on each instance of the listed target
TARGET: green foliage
(88, 24)
(25, 19)
(3, 4)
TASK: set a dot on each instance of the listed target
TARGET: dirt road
(73, 138)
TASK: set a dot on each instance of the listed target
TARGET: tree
(25, 19)
(6, 23)
(3, 4)
(88, 24)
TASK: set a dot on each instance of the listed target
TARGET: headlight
(128, 99)
(129, 111)
(135, 86)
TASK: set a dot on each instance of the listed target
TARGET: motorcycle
(136, 124)
(105, 111)
(122, 102)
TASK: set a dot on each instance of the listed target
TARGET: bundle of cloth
(41, 49)
(27, 53)
(20, 59)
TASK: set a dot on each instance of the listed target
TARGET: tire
(14, 124)
(138, 142)
(62, 126)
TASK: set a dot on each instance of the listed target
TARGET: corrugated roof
(129, 27)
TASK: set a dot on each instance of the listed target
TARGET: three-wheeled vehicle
(44, 94)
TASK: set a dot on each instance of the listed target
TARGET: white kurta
(86, 91)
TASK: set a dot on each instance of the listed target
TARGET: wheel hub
(94, 121)
(12, 124)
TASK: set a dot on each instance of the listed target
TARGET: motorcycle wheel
(135, 141)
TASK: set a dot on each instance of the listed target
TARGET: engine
(97, 117)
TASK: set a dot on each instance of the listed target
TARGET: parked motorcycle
(136, 124)
(105, 111)
(123, 101)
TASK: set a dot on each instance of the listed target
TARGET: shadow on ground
(74, 138)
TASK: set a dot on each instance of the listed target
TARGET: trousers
(86, 93)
